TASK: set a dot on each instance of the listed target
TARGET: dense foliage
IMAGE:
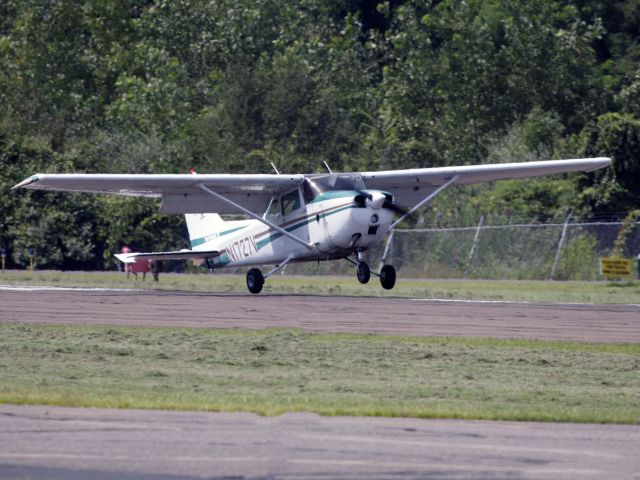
(230, 86)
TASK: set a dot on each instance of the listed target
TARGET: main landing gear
(387, 273)
(255, 280)
(387, 277)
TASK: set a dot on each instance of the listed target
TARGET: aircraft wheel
(387, 277)
(363, 272)
(255, 280)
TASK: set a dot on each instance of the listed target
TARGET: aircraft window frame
(296, 204)
(274, 208)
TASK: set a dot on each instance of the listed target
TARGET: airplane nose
(375, 200)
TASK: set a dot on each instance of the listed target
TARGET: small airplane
(294, 218)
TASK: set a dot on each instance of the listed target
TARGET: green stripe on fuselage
(221, 261)
(335, 194)
(308, 220)
(341, 194)
(199, 241)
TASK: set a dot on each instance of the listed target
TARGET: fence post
(474, 245)
(386, 248)
(560, 243)
(31, 252)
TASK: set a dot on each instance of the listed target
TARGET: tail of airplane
(203, 226)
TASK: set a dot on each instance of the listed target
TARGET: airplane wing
(179, 193)
(410, 186)
(132, 257)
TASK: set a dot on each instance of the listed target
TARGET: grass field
(273, 371)
(534, 291)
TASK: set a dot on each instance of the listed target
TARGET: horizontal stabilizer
(175, 255)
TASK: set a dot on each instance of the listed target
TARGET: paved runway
(591, 323)
(68, 443)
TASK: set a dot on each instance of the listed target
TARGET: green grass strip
(274, 371)
(533, 291)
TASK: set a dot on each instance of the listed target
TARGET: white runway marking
(47, 288)
(521, 302)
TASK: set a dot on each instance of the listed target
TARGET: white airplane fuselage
(334, 223)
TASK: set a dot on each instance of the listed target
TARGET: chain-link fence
(562, 251)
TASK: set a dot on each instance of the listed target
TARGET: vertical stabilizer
(203, 227)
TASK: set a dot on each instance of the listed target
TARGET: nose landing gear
(387, 273)
(363, 272)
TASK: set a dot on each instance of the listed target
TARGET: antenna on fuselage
(274, 167)
(328, 168)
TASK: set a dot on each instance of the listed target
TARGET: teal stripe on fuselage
(221, 261)
(199, 241)
(333, 195)
(341, 194)
(312, 218)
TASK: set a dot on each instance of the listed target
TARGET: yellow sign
(615, 267)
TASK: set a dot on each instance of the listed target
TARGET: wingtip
(601, 162)
(26, 182)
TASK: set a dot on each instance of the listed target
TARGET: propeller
(378, 199)
(336, 181)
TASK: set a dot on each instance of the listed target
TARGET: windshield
(314, 186)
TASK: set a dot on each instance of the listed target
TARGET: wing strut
(426, 199)
(280, 266)
(257, 217)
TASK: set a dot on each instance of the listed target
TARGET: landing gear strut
(255, 280)
(387, 273)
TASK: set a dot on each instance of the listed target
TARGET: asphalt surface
(398, 316)
(68, 443)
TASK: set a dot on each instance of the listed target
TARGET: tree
(617, 136)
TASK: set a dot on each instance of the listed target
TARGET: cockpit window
(290, 202)
(274, 208)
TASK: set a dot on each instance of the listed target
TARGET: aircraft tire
(255, 280)
(363, 272)
(388, 277)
